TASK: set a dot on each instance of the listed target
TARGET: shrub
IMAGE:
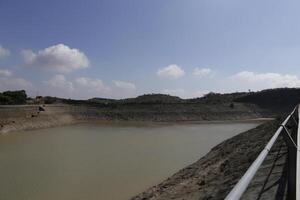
(13, 97)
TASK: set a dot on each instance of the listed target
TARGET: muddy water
(96, 161)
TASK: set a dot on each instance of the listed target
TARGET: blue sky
(124, 48)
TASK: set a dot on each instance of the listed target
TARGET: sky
(125, 48)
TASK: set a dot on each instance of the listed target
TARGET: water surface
(96, 161)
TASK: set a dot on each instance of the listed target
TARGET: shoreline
(132, 123)
(17, 118)
(214, 174)
(171, 123)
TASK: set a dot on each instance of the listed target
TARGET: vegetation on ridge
(282, 99)
(13, 97)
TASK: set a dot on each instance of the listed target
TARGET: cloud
(4, 52)
(268, 79)
(199, 94)
(124, 85)
(93, 85)
(60, 82)
(171, 71)
(202, 72)
(184, 93)
(174, 92)
(60, 58)
(5, 72)
(82, 87)
(8, 83)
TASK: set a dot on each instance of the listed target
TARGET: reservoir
(102, 161)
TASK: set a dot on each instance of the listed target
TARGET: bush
(13, 97)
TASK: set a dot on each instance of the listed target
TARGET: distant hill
(162, 107)
(215, 98)
(153, 98)
(143, 99)
(279, 99)
(283, 99)
(102, 100)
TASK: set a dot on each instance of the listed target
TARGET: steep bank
(148, 107)
(215, 174)
(14, 118)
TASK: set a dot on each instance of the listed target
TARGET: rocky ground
(213, 176)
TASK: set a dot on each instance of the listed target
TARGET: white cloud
(174, 92)
(82, 87)
(4, 52)
(60, 58)
(202, 72)
(90, 87)
(171, 71)
(184, 93)
(8, 83)
(268, 79)
(124, 85)
(93, 85)
(5, 72)
(60, 82)
(199, 94)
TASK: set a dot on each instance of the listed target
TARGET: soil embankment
(213, 176)
(15, 118)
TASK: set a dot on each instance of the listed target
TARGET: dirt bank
(213, 176)
(14, 118)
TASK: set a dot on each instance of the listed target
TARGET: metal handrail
(298, 162)
(244, 182)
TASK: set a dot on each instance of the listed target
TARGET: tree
(13, 97)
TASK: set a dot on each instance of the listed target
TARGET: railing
(293, 160)
(298, 160)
